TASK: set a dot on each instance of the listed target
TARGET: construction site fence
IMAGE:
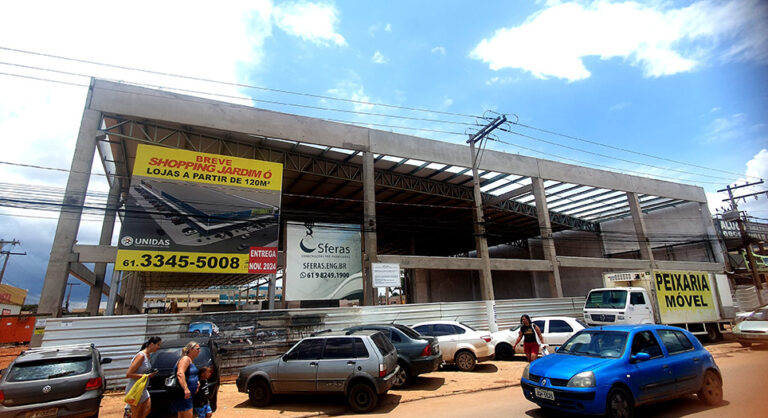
(250, 336)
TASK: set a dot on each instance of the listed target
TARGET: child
(200, 401)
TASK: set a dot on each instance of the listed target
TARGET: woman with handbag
(140, 366)
(186, 376)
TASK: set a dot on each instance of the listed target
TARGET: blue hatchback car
(612, 369)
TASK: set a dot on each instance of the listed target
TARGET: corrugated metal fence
(249, 336)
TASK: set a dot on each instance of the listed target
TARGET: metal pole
(747, 247)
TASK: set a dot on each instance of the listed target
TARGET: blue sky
(682, 82)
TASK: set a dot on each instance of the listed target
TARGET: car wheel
(465, 361)
(712, 334)
(745, 343)
(504, 352)
(619, 404)
(402, 377)
(196, 332)
(362, 398)
(711, 391)
(259, 393)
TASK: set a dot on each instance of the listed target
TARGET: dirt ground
(445, 382)
(488, 375)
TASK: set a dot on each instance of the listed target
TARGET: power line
(627, 150)
(249, 86)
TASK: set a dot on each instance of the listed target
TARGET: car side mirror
(640, 357)
(106, 360)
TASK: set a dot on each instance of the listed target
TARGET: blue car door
(653, 378)
(685, 360)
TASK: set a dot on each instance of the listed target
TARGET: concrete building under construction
(521, 228)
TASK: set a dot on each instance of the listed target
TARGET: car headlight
(582, 380)
(525, 372)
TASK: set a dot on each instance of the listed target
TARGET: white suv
(460, 344)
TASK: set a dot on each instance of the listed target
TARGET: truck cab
(618, 305)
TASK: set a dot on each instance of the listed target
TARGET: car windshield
(49, 369)
(166, 357)
(408, 331)
(611, 299)
(596, 343)
(758, 315)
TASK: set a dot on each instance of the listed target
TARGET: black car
(416, 353)
(164, 360)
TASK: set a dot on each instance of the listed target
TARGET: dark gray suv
(54, 382)
(361, 366)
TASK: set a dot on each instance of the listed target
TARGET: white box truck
(697, 301)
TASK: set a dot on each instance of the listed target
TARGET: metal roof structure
(424, 194)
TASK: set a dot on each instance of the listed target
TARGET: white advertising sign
(323, 261)
(385, 274)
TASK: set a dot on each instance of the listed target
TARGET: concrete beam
(509, 195)
(95, 253)
(85, 275)
(435, 263)
(606, 263)
(509, 264)
(122, 99)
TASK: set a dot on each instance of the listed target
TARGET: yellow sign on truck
(698, 301)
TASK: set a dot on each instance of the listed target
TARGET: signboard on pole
(323, 261)
(195, 212)
(386, 274)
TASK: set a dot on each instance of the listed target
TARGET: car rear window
(410, 332)
(360, 350)
(467, 327)
(166, 357)
(336, 348)
(675, 341)
(49, 369)
(382, 343)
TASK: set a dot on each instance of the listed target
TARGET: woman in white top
(140, 366)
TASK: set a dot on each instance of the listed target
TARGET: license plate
(544, 394)
(42, 413)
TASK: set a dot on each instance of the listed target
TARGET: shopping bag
(134, 395)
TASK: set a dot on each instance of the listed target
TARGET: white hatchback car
(460, 344)
(555, 330)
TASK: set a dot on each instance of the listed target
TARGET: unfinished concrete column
(107, 229)
(69, 218)
(709, 228)
(547, 242)
(646, 251)
(125, 285)
(114, 286)
(369, 228)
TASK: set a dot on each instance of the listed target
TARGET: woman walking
(140, 366)
(187, 376)
(528, 332)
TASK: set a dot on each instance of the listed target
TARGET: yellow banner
(176, 164)
(684, 296)
(181, 262)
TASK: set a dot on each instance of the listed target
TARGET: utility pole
(481, 240)
(8, 254)
(745, 241)
(69, 293)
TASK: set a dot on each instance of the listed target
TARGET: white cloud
(756, 168)
(726, 128)
(447, 102)
(388, 28)
(662, 41)
(352, 91)
(619, 106)
(438, 50)
(309, 21)
(378, 58)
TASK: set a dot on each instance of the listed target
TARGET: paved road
(745, 376)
